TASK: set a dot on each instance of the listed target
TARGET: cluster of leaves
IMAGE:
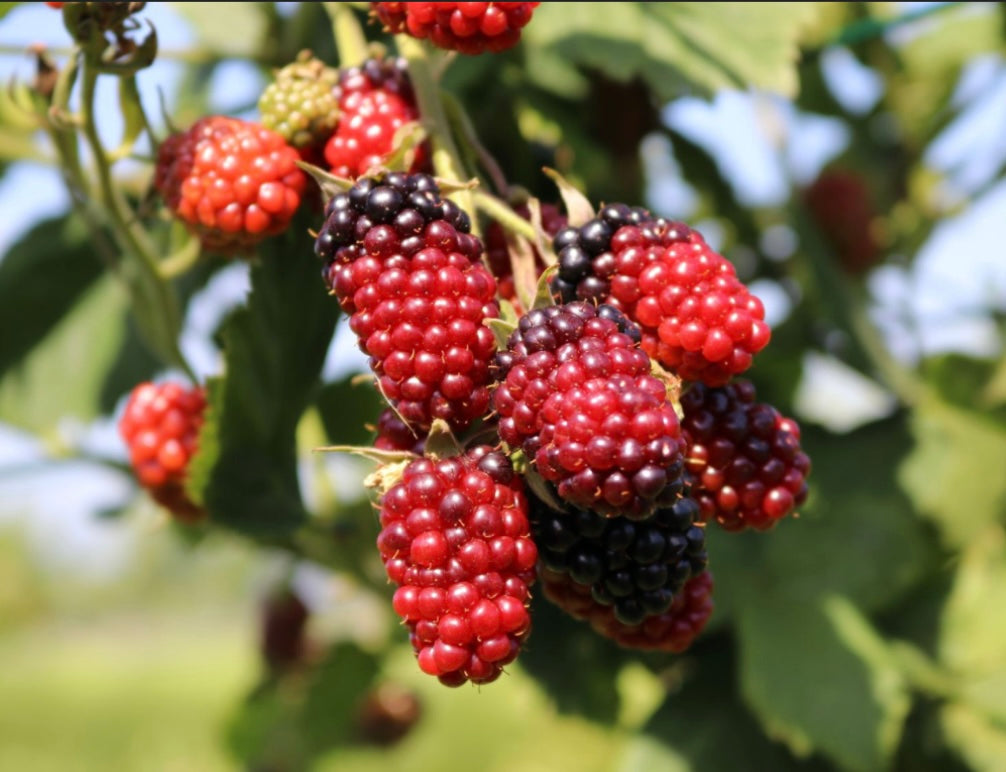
(863, 635)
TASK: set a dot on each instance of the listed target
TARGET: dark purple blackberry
(588, 254)
(394, 212)
(634, 567)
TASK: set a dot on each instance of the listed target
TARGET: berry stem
(466, 131)
(446, 160)
(349, 38)
(504, 215)
(153, 302)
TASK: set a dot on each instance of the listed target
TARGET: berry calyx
(634, 568)
(471, 28)
(498, 254)
(456, 540)
(577, 397)
(232, 182)
(300, 104)
(160, 427)
(375, 100)
(744, 461)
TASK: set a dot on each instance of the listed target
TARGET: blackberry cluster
(394, 434)
(744, 460)
(456, 540)
(232, 182)
(375, 100)
(576, 395)
(635, 568)
(471, 28)
(160, 427)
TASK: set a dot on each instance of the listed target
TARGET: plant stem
(446, 160)
(153, 301)
(504, 215)
(466, 131)
(350, 41)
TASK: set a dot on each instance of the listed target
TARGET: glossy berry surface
(697, 318)
(455, 539)
(300, 104)
(471, 28)
(576, 395)
(744, 460)
(160, 427)
(375, 101)
(404, 267)
(394, 434)
(498, 255)
(634, 568)
(232, 182)
(672, 631)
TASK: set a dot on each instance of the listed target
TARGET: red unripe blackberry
(634, 568)
(744, 461)
(498, 256)
(375, 100)
(576, 395)
(470, 28)
(387, 715)
(404, 267)
(841, 205)
(672, 631)
(160, 426)
(697, 318)
(456, 540)
(232, 182)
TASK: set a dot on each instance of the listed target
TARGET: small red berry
(160, 426)
(470, 28)
(232, 182)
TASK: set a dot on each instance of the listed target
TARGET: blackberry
(635, 568)
(394, 434)
(577, 397)
(671, 631)
(405, 206)
(456, 540)
(375, 100)
(744, 460)
(471, 28)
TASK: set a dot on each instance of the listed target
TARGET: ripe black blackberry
(396, 211)
(587, 255)
(635, 568)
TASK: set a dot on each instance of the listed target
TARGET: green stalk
(465, 130)
(154, 303)
(446, 160)
(350, 41)
(504, 215)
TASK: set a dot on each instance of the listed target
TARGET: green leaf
(967, 383)
(678, 46)
(337, 689)
(955, 474)
(246, 468)
(42, 277)
(347, 407)
(971, 633)
(820, 678)
(703, 725)
(62, 377)
(577, 667)
(979, 741)
(857, 535)
(229, 29)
